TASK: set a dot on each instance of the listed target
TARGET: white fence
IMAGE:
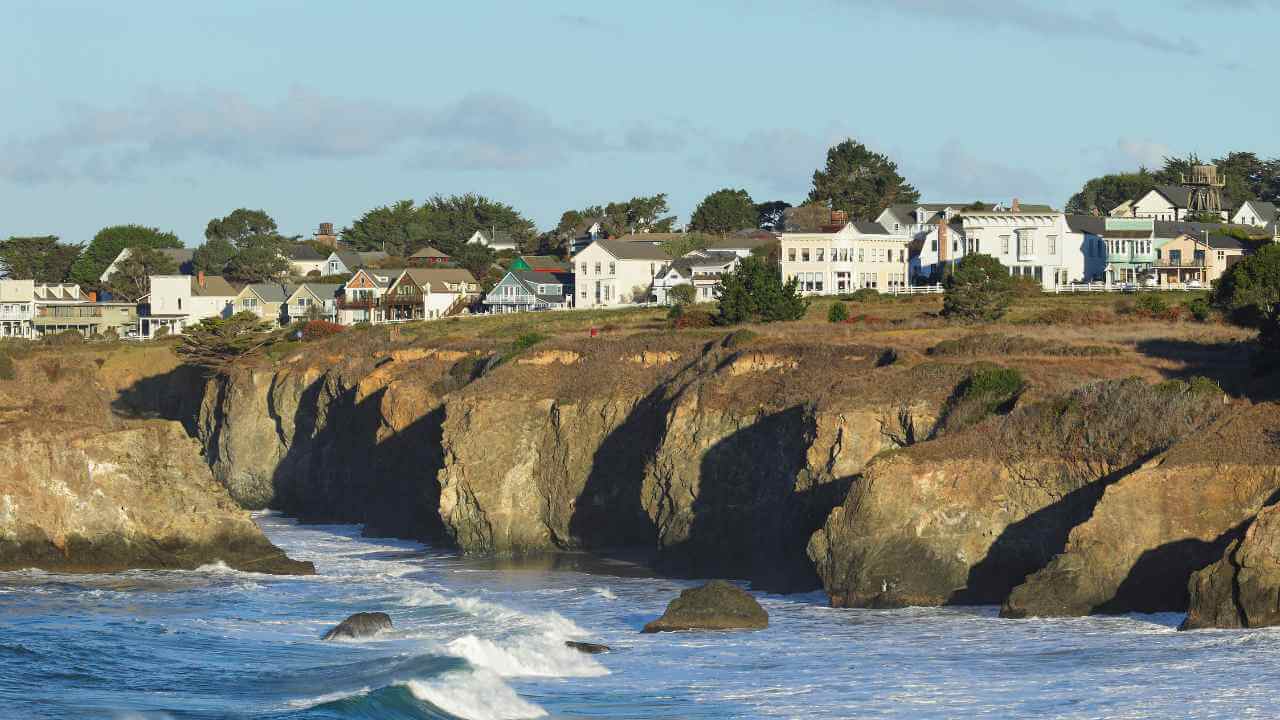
(1123, 287)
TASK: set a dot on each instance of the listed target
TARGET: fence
(1124, 287)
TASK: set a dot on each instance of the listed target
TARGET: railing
(68, 313)
(357, 304)
(15, 315)
(914, 290)
(1124, 287)
(1169, 263)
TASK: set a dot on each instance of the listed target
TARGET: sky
(170, 113)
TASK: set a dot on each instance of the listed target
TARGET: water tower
(1205, 187)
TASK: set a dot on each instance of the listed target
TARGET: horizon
(168, 117)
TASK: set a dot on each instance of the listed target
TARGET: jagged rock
(77, 499)
(586, 647)
(359, 625)
(1242, 589)
(1157, 526)
(718, 605)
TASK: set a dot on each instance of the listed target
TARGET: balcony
(67, 313)
(1177, 262)
(357, 304)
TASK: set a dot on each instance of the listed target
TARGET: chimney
(944, 245)
(839, 217)
(200, 278)
(93, 296)
(325, 235)
(1016, 206)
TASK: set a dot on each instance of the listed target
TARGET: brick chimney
(93, 296)
(200, 278)
(839, 217)
(944, 244)
(1016, 206)
(325, 235)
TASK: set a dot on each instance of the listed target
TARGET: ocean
(476, 639)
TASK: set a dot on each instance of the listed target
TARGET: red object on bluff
(595, 332)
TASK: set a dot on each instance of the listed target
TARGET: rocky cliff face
(1241, 589)
(88, 485)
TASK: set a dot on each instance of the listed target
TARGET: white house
(1256, 213)
(17, 308)
(1033, 241)
(616, 272)
(346, 262)
(701, 269)
(857, 255)
(496, 240)
(445, 291)
(1163, 202)
(179, 301)
(360, 299)
(304, 259)
(181, 258)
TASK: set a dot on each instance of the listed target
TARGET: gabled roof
(698, 258)
(870, 228)
(1170, 229)
(531, 280)
(382, 277)
(1091, 224)
(323, 291)
(270, 292)
(1177, 195)
(1218, 241)
(355, 260)
(440, 276)
(650, 238)
(181, 257)
(1265, 211)
(623, 249)
(496, 237)
(549, 263)
(214, 286)
(303, 252)
(428, 252)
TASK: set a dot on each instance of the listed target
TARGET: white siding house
(858, 255)
(1256, 213)
(17, 307)
(701, 269)
(179, 301)
(616, 272)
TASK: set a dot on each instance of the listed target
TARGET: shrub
(978, 289)
(63, 339)
(1025, 287)
(320, 329)
(738, 338)
(754, 292)
(838, 313)
(1249, 294)
(7, 370)
(863, 295)
(1150, 304)
(526, 341)
(1200, 309)
(997, 344)
(681, 295)
(215, 343)
(695, 319)
(987, 390)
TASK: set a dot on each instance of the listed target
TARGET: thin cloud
(1043, 20)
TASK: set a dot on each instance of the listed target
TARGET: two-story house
(701, 269)
(361, 296)
(266, 300)
(609, 273)
(1256, 213)
(17, 307)
(526, 290)
(1196, 258)
(445, 291)
(857, 255)
(1032, 241)
(495, 240)
(179, 301)
(309, 301)
(346, 262)
(428, 256)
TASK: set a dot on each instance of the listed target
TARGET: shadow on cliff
(1230, 364)
(342, 472)
(175, 395)
(755, 508)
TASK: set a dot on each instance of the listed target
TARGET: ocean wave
(475, 695)
(526, 657)
(605, 593)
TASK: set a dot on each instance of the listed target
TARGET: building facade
(610, 273)
(857, 255)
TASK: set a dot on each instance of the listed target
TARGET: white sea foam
(605, 593)
(544, 656)
(327, 698)
(474, 695)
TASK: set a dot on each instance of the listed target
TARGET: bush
(694, 319)
(1025, 287)
(863, 295)
(526, 341)
(987, 390)
(838, 313)
(7, 370)
(997, 344)
(63, 339)
(1200, 309)
(738, 338)
(1249, 294)
(681, 295)
(320, 329)
(978, 289)
(754, 292)
(215, 343)
(1150, 304)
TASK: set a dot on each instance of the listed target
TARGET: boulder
(718, 605)
(586, 647)
(1242, 589)
(362, 624)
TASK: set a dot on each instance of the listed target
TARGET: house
(651, 238)
(17, 308)
(179, 301)
(445, 291)
(616, 272)
(360, 299)
(523, 290)
(744, 242)
(428, 256)
(305, 259)
(496, 240)
(839, 260)
(181, 257)
(346, 262)
(700, 268)
(1163, 202)
(312, 301)
(266, 300)
(1198, 258)
(542, 263)
(1033, 241)
(1256, 213)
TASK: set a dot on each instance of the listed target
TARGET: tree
(258, 259)
(838, 313)
(809, 217)
(449, 221)
(1102, 194)
(241, 225)
(42, 259)
(860, 182)
(215, 343)
(107, 244)
(754, 292)
(212, 257)
(646, 213)
(683, 294)
(397, 229)
(132, 277)
(685, 243)
(978, 288)
(724, 211)
(771, 215)
(1249, 294)
(474, 258)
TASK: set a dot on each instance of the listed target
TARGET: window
(934, 245)
(1004, 244)
(818, 254)
(1053, 245)
(859, 254)
(791, 254)
(597, 267)
(804, 254)
(1222, 255)
(583, 266)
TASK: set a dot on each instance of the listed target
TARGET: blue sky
(170, 113)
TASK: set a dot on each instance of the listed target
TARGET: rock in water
(362, 624)
(718, 605)
(586, 647)
(1243, 588)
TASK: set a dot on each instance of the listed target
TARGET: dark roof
(439, 275)
(626, 250)
(532, 279)
(494, 237)
(1179, 196)
(321, 290)
(1266, 211)
(546, 262)
(1169, 229)
(759, 238)
(650, 238)
(383, 277)
(181, 257)
(272, 292)
(303, 251)
(870, 228)
(428, 252)
(1091, 224)
(684, 263)
(355, 260)
(1218, 241)
(215, 285)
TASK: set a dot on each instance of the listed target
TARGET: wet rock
(360, 625)
(718, 605)
(1243, 588)
(586, 647)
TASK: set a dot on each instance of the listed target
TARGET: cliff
(87, 484)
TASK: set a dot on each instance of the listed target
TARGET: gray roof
(685, 262)
(1218, 241)
(323, 291)
(624, 250)
(1091, 224)
(497, 237)
(303, 251)
(384, 277)
(532, 279)
(1266, 211)
(214, 285)
(1170, 229)
(870, 228)
(1178, 195)
(355, 260)
(428, 252)
(181, 257)
(272, 292)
